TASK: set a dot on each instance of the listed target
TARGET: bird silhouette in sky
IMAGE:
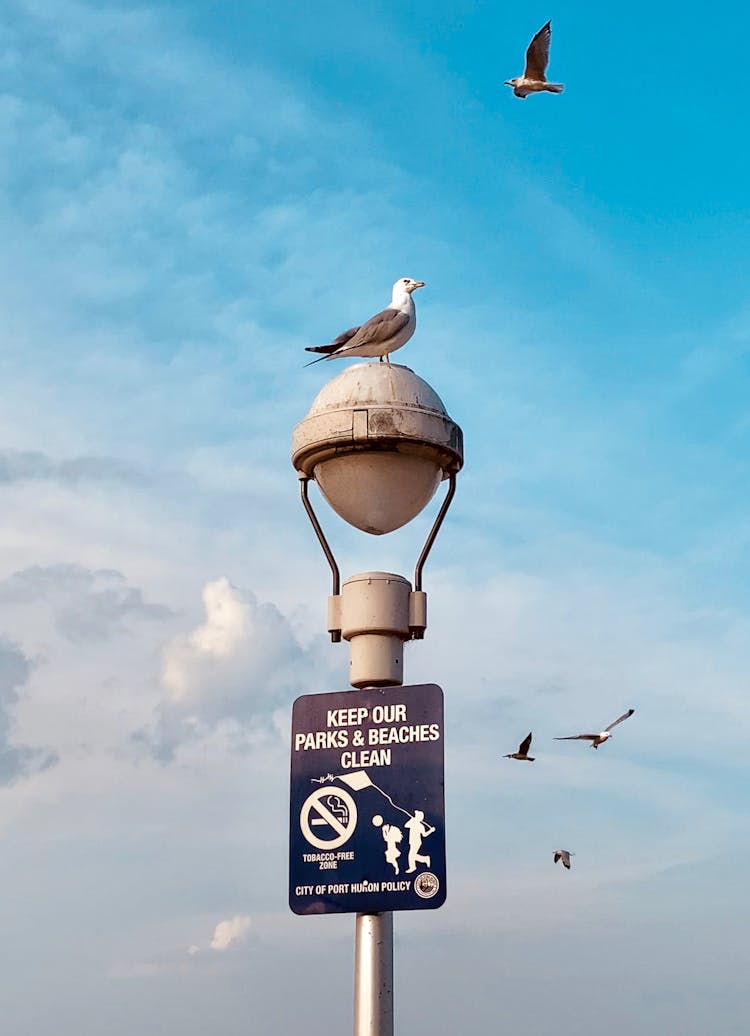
(564, 855)
(534, 80)
(602, 736)
(523, 751)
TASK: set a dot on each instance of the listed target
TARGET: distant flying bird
(564, 855)
(602, 736)
(382, 334)
(523, 751)
(533, 80)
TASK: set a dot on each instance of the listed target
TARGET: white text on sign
(347, 887)
(370, 745)
(356, 717)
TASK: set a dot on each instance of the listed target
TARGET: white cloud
(232, 931)
(232, 672)
(223, 639)
(240, 645)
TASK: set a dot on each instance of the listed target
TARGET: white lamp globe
(378, 441)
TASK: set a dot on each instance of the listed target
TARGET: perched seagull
(382, 334)
(602, 736)
(523, 751)
(564, 855)
(533, 80)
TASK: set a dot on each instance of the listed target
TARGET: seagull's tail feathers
(554, 88)
(327, 350)
(332, 347)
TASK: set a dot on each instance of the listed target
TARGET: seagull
(533, 80)
(522, 752)
(564, 855)
(602, 736)
(380, 335)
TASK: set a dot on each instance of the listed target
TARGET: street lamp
(378, 442)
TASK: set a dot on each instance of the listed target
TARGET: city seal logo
(426, 885)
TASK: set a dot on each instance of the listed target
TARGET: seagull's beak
(417, 284)
(508, 82)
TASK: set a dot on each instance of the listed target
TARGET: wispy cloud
(16, 760)
(88, 604)
(37, 466)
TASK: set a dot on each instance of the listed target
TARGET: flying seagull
(380, 335)
(533, 80)
(523, 751)
(602, 736)
(564, 855)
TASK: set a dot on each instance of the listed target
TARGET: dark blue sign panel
(367, 819)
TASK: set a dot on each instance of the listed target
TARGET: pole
(373, 975)
(375, 621)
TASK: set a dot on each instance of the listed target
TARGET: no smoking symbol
(328, 818)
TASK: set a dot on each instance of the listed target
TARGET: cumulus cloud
(88, 604)
(229, 637)
(16, 760)
(239, 665)
(228, 932)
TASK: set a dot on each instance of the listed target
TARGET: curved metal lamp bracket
(303, 482)
(418, 599)
(434, 530)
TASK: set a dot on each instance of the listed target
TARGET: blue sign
(367, 815)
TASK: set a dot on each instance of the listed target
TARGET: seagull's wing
(380, 328)
(578, 737)
(337, 342)
(537, 56)
(624, 716)
(525, 745)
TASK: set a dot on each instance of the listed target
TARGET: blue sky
(189, 195)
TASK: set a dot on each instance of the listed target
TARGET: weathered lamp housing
(378, 442)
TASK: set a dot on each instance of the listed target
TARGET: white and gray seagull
(382, 334)
(564, 855)
(523, 751)
(602, 736)
(533, 80)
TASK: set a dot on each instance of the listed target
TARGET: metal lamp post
(378, 441)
